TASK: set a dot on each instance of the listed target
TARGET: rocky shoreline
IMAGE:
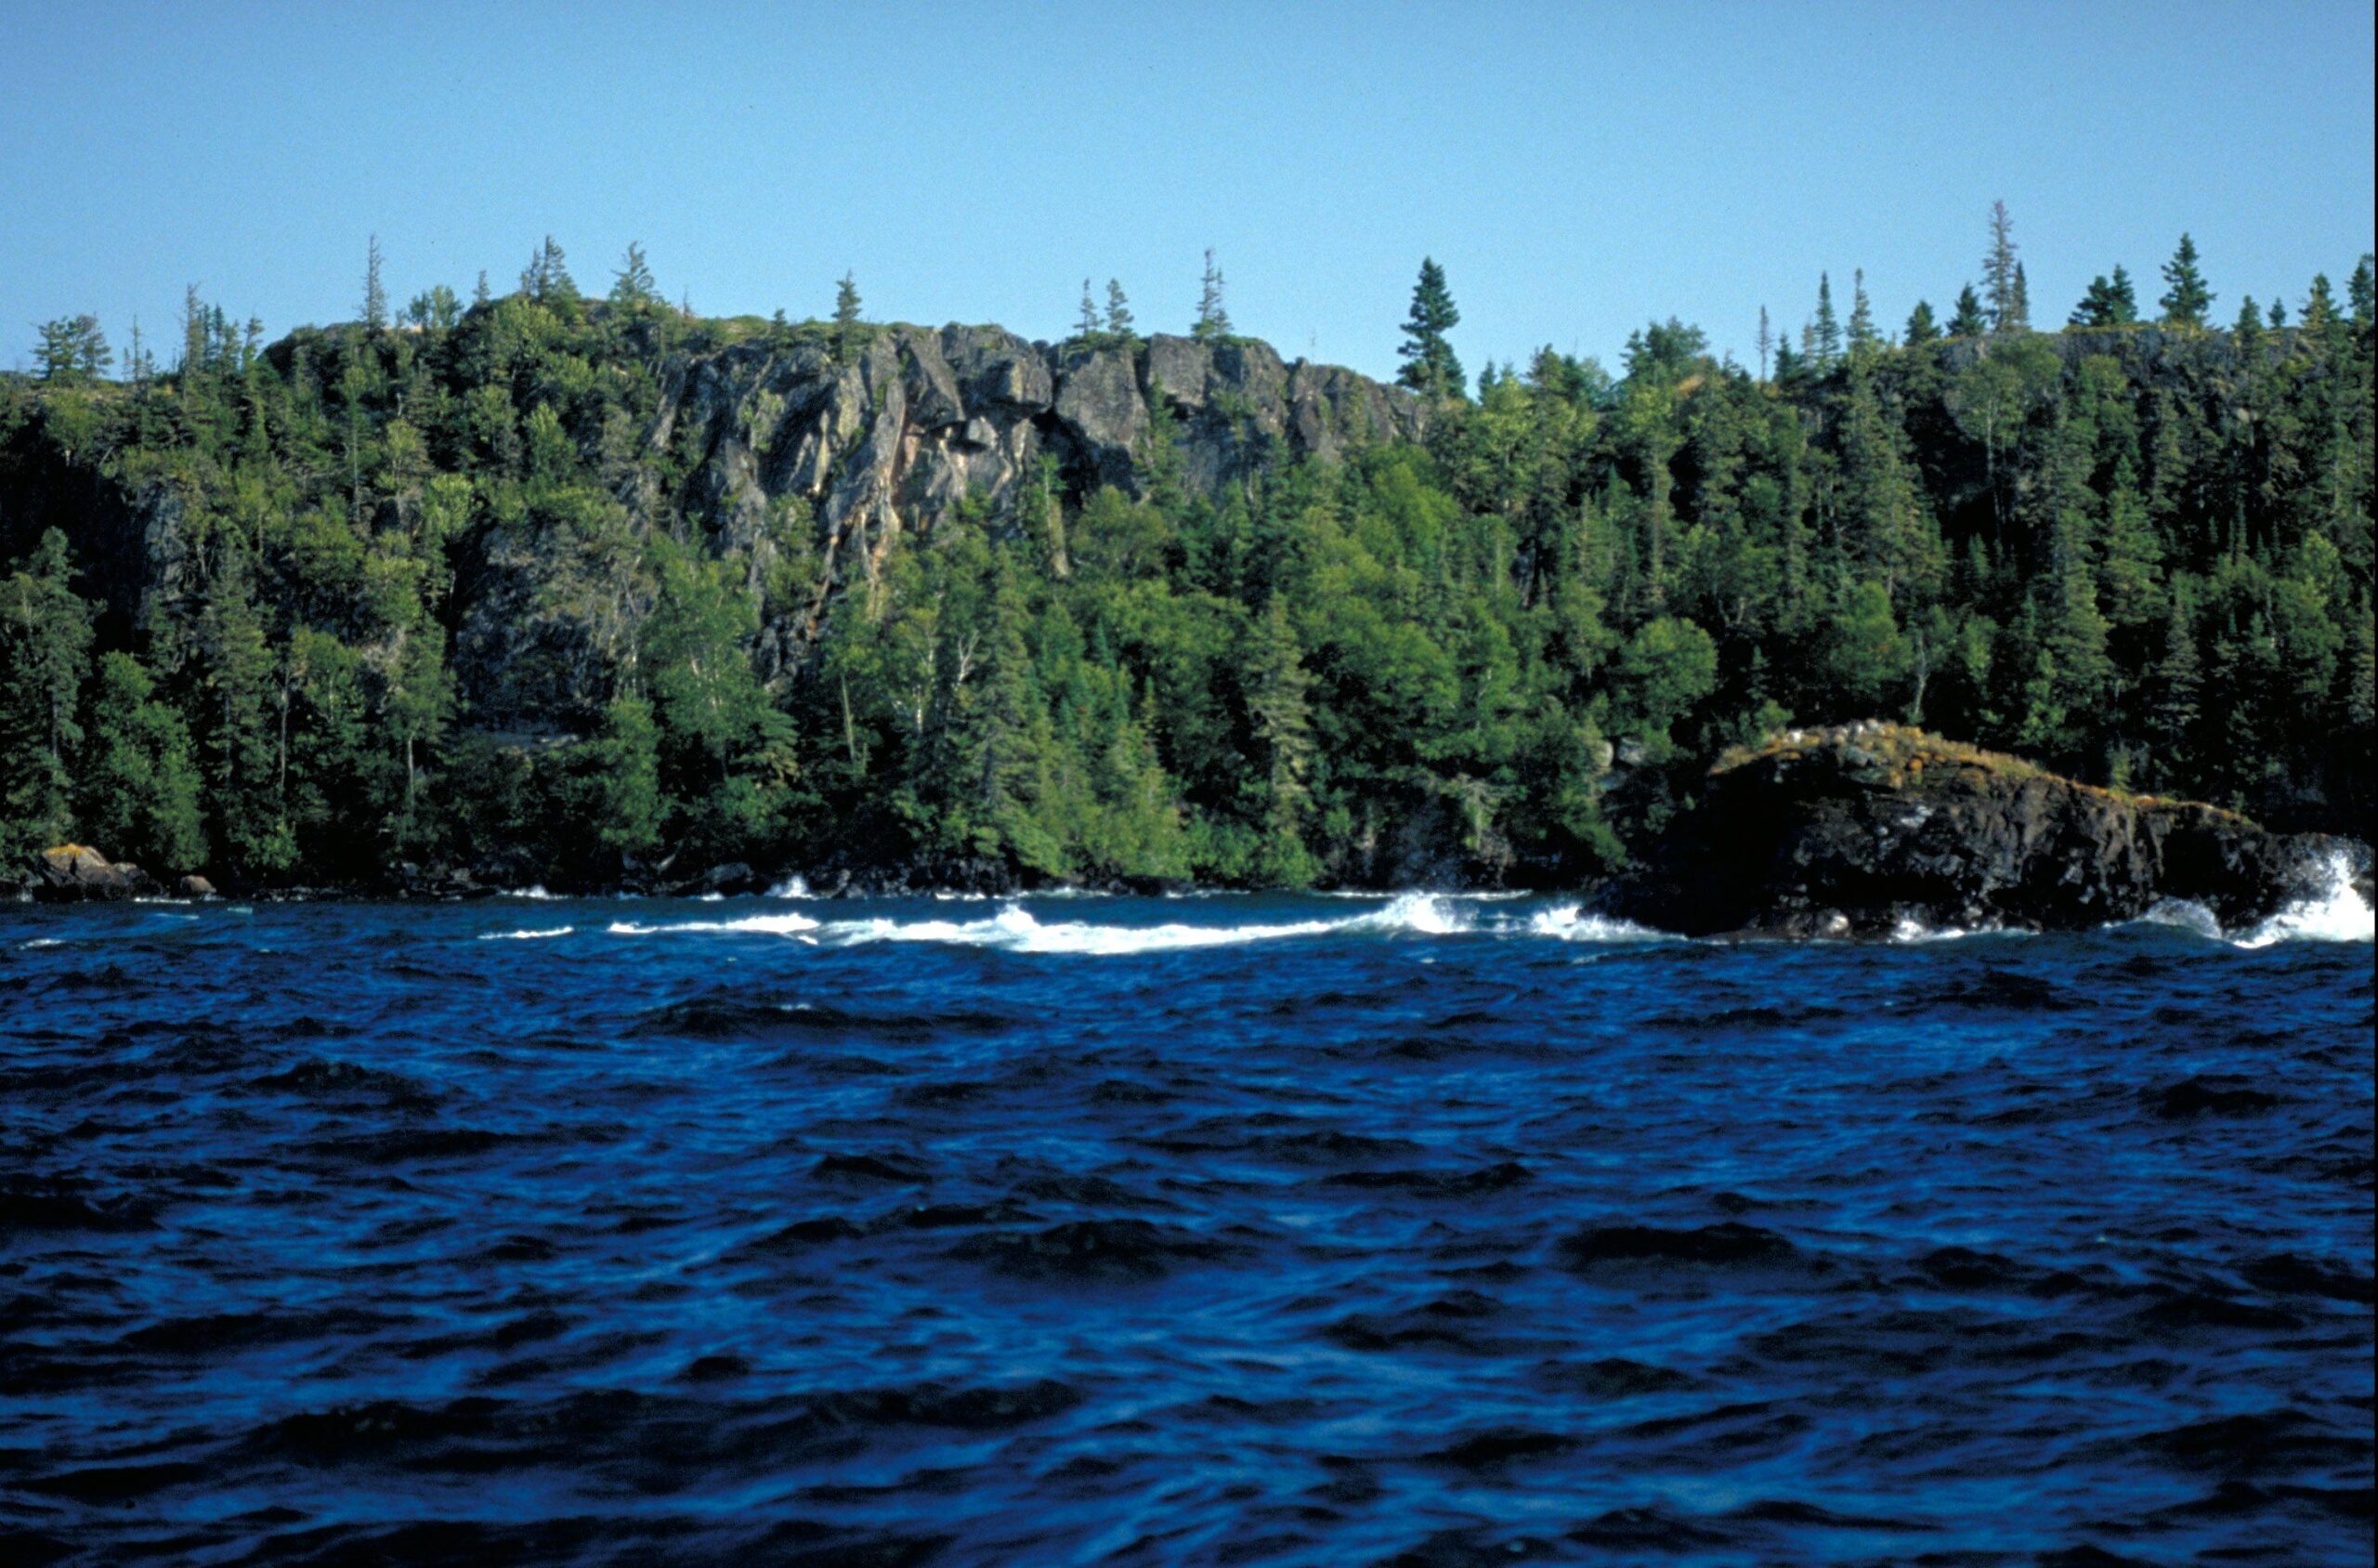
(1855, 831)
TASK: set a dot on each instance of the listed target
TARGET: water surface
(1303, 1231)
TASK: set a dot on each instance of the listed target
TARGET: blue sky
(1579, 169)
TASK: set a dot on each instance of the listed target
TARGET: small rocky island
(1863, 830)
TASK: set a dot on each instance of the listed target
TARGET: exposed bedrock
(1860, 829)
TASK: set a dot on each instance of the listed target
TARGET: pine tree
(72, 351)
(1967, 319)
(1766, 341)
(1213, 321)
(1825, 339)
(375, 294)
(846, 321)
(1118, 310)
(2248, 329)
(1921, 328)
(1864, 341)
(2123, 298)
(2186, 299)
(632, 286)
(2020, 319)
(1086, 327)
(2358, 292)
(1998, 271)
(1429, 365)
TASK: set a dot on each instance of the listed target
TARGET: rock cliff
(1862, 829)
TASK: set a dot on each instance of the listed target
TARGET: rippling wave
(1227, 1229)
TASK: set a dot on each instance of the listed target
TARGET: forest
(241, 595)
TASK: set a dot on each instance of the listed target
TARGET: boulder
(73, 873)
(1860, 829)
(195, 887)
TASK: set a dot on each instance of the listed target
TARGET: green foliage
(1430, 367)
(477, 593)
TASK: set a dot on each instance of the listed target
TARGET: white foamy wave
(535, 893)
(2337, 913)
(792, 887)
(1570, 922)
(1013, 930)
(2182, 914)
(47, 942)
(526, 936)
(786, 925)
(1427, 913)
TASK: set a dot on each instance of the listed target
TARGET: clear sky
(1578, 169)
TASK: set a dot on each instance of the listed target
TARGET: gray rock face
(781, 451)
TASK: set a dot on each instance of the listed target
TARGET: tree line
(2140, 552)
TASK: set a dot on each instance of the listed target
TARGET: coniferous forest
(459, 587)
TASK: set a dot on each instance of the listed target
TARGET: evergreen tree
(2020, 320)
(1766, 341)
(1275, 686)
(1921, 328)
(1967, 319)
(1118, 310)
(2248, 329)
(44, 653)
(72, 351)
(375, 295)
(1213, 321)
(1429, 365)
(2123, 298)
(633, 287)
(1086, 325)
(1826, 341)
(1998, 280)
(140, 786)
(846, 321)
(1865, 342)
(2186, 299)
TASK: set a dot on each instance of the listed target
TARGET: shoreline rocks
(1863, 830)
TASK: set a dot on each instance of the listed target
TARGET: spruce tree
(1275, 686)
(1998, 265)
(1825, 341)
(846, 320)
(2186, 299)
(1429, 365)
(633, 287)
(2123, 298)
(1967, 319)
(1118, 310)
(1086, 325)
(1921, 328)
(375, 294)
(1213, 321)
(1864, 341)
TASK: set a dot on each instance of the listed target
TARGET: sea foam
(2337, 913)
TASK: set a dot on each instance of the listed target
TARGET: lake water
(1218, 1230)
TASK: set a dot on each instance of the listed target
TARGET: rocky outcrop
(75, 873)
(1862, 829)
(787, 449)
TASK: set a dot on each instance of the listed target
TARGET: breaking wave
(2337, 913)
(526, 936)
(1570, 922)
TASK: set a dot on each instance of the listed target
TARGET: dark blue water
(1209, 1231)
